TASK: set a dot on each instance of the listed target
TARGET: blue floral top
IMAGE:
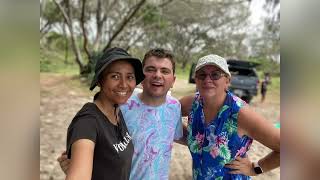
(218, 143)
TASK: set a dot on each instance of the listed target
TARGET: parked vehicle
(244, 78)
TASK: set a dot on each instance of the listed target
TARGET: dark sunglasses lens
(202, 76)
(215, 75)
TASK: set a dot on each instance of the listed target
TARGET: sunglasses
(215, 75)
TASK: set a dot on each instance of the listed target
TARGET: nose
(158, 73)
(123, 82)
(207, 77)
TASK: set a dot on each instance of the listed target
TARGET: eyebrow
(152, 67)
(116, 72)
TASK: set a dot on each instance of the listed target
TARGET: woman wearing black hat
(98, 141)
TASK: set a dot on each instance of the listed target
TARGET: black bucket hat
(114, 54)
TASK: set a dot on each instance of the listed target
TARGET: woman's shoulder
(87, 109)
(187, 100)
(87, 114)
(236, 101)
(186, 104)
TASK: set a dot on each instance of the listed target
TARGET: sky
(257, 11)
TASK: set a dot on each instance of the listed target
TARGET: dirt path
(62, 96)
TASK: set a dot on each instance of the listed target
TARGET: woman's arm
(64, 162)
(257, 127)
(186, 103)
(183, 139)
(81, 161)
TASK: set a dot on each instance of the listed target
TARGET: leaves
(188, 28)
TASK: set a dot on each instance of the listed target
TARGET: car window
(242, 72)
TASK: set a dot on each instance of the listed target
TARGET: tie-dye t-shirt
(218, 143)
(153, 130)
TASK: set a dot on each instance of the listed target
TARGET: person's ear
(142, 83)
(228, 82)
(174, 80)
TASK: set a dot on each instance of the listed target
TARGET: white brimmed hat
(215, 60)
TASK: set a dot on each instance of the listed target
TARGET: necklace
(111, 116)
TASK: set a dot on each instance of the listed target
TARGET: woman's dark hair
(95, 97)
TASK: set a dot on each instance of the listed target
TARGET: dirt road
(62, 96)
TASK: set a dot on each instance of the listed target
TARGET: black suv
(244, 78)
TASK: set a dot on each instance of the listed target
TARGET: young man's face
(159, 77)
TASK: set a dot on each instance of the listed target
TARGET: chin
(156, 95)
(208, 93)
(122, 100)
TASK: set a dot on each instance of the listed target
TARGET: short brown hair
(160, 53)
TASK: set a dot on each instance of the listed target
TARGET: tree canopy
(189, 28)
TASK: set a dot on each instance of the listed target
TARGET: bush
(267, 66)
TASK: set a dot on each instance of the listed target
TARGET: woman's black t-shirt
(113, 145)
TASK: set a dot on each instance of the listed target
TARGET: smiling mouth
(158, 84)
(208, 87)
(121, 93)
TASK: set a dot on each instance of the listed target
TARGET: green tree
(192, 28)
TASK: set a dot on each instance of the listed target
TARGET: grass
(80, 83)
(274, 87)
(182, 73)
(54, 61)
(67, 81)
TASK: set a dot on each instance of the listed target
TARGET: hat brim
(213, 64)
(136, 63)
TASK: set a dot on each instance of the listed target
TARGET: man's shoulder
(173, 103)
(133, 98)
(172, 100)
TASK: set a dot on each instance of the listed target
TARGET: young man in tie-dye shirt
(153, 118)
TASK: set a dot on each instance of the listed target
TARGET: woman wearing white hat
(221, 127)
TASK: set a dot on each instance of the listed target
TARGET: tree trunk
(67, 17)
(84, 31)
(184, 64)
(77, 53)
(66, 53)
(100, 22)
